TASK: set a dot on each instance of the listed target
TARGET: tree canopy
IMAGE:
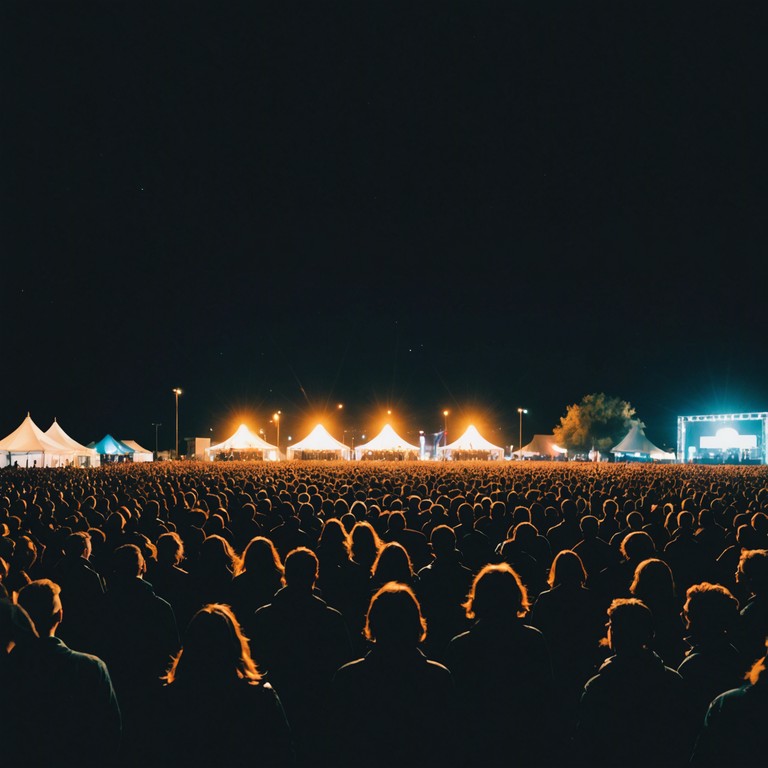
(597, 421)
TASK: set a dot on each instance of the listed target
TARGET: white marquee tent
(31, 447)
(139, 454)
(636, 444)
(388, 442)
(471, 445)
(243, 440)
(319, 444)
(82, 456)
(542, 445)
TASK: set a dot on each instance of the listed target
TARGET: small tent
(542, 446)
(387, 445)
(29, 446)
(111, 450)
(244, 444)
(82, 456)
(319, 444)
(471, 446)
(636, 446)
(139, 454)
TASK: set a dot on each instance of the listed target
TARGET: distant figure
(734, 731)
(633, 712)
(217, 710)
(63, 709)
(394, 707)
(503, 674)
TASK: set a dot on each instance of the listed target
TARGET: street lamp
(445, 427)
(521, 411)
(156, 426)
(177, 392)
(276, 419)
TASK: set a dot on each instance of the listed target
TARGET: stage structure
(728, 438)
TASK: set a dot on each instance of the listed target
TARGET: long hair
(260, 557)
(215, 650)
(364, 543)
(392, 564)
(497, 592)
(394, 616)
(567, 569)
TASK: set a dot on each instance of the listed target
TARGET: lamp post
(156, 426)
(445, 427)
(276, 419)
(177, 392)
(521, 411)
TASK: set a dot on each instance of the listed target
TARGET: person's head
(686, 521)
(261, 556)
(392, 564)
(216, 554)
(753, 570)
(78, 544)
(334, 536)
(301, 569)
(630, 625)
(128, 562)
(170, 549)
(443, 540)
(589, 526)
(637, 546)
(364, 543)
(394, 617)
(567, 570)
(15, 624)
(497, 593)
(214, 651)
(41, 599)
(396, 522)
(710, 610)
(653, 582)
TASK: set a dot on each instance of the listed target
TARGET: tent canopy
(472, 440)
(243, 440)
(108, 446)
(386, 440)
(542, 445)
(29, 438)
(635, 442)
(55, 432)
(139, 453)
(319, 439)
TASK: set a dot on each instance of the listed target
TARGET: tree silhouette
(598, 421)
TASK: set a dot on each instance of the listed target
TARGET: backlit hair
(497, 591)
(567, 569)
(394, 616)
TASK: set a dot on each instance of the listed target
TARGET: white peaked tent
(319, 444)
(387, 442)
(82, 456)
(542, 445)
(244, 441)
(139, 454)
(636, 444)
(30, 446)
(471, 445)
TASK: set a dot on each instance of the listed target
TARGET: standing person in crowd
(752, 574)
(634, 712)
(63, 710)
(503, 675)
(395, 691)
(217, 708)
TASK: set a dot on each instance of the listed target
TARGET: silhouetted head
(394, 617)
(753, 570)
(365, 543)
(710, 610)
(637, 545)
(217, 555)
(567, 570)
(653, 582)
(128, 562)
(392, 564)
(301, 569)
(15, 625)
(396, 522)
(261, 556)
(497, 593)
(78, 544)
(170, 549)
(215, 651)
(443, 540)
(42, 602)
(589, 526)
(630, 625)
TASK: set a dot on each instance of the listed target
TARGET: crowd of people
(383, 614)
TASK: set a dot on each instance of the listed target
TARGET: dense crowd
(377, 614)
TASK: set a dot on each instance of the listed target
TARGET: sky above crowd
(470, 206)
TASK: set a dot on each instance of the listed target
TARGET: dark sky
(464, 205)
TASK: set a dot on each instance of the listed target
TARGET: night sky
(416, 206)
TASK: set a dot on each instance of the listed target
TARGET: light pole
(177, 392)
(445, 427)
(521, 411)
(276, 419)
(156, 426)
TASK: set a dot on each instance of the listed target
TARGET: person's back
(634, 711)
(64, 709)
